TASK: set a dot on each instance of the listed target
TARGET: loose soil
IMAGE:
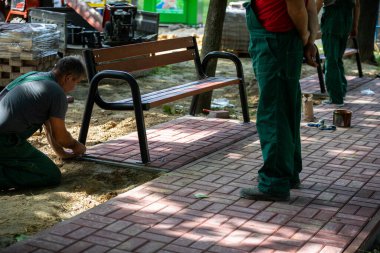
(86, 184)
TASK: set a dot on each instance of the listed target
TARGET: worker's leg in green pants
(295, 180)
(22, 165)
(278, 117)
(277, 60)
(336, 24)
(336, 83)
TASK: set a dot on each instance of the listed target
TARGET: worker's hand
(79, 148)
(309, 52)
(66, 155)
(354, 32)
(305, 37)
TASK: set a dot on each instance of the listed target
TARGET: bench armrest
(239, 74)
(114, 74)
(224, 55)
(94, 97)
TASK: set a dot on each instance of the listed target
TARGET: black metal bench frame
(112, 63)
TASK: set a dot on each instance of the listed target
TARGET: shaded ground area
(197, 207)
(87, 184)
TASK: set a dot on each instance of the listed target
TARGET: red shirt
(273, 15)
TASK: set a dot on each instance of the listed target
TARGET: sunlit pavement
(196, 208)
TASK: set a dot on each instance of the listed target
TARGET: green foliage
(172, 109)
(21, 237)
(162, 71)
(377, 58)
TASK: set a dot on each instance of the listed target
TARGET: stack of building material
(26, 47)
(235, 36)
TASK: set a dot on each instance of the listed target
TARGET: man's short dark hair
(70, 65)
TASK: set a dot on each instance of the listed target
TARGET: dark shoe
(292, 185)
(255, 194)
(295, 185)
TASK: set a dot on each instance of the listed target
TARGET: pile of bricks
(11, 68)
(235, 40)
(26, 47)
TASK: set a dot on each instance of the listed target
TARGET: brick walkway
(310, 84)
(334, 211)
(174, 143)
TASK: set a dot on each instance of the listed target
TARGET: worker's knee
(53, 175)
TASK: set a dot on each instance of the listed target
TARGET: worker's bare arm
(298, 14)
(63, 137)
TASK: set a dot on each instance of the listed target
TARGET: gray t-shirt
(30, 104)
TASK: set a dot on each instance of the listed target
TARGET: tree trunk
(367, 25)
(212, 42)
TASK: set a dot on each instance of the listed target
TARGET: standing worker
(281, 33)
(26, 104)
(339, 20)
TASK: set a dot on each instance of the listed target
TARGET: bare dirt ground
(86, 184)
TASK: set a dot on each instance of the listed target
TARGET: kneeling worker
(31, 101)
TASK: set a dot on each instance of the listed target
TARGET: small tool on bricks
(342, 118)
(321, 125)
(220, 114)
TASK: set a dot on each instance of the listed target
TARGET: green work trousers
(22, 165)
(277, 60)
(336, 24)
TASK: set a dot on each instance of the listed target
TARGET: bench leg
(87, 116)
(141, 132)
(359, 64)
(193, 106)
(320, 72)
(357, 56)
(244, 102)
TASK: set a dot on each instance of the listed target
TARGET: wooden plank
(121, 52)
(350, 51)
(190, 89)
(27, 69)
(173, 90)
(4, 82)
(5, 68)
(170, 90)
(14, 75)
(347, 52)
(148, 62)
(15, 62)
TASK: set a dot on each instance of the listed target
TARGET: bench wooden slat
(174, 89)
(154, 99)
(347, 52)
(120, 52)
(148, 62)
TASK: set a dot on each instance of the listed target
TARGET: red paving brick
(335, 210)
(175, 143)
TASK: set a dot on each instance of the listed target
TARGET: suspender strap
(28, 77)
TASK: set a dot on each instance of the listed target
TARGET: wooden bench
(320, 58)
(118, 62)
